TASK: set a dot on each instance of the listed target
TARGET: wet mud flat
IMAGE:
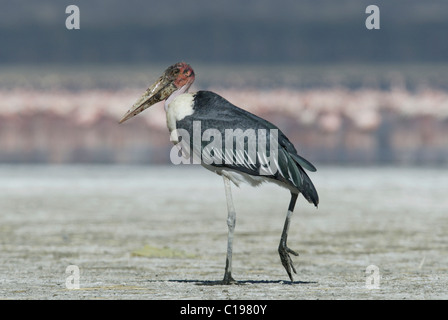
(119, 232)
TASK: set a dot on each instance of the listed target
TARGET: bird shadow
(240, 282)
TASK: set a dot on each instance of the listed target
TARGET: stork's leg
(283, 250)
(231, 219)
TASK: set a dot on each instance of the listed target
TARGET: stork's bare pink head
(176, 79)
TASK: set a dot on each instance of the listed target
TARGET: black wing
(239, 140)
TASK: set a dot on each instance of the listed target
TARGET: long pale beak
(159, 91)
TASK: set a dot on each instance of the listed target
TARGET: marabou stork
(211, 111)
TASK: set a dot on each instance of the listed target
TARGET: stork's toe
(228, 279)
(287, 263)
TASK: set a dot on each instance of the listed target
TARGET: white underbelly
(238, 177)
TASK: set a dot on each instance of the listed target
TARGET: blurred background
(345, 95)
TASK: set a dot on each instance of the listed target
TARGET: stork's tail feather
(308, 190)
(297, 175)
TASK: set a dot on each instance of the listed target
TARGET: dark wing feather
(211, 111)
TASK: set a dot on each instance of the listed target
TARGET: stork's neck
(175, 94)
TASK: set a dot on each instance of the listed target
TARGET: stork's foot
(228, 279)
(284, 252)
